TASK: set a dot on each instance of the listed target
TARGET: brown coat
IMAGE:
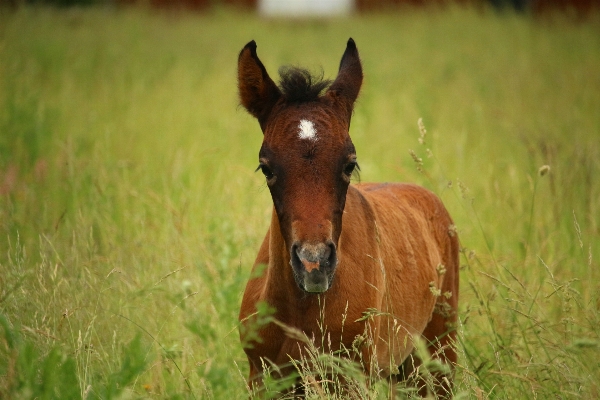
(394, 238)
(334, 251)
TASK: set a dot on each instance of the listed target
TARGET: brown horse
(335, 251)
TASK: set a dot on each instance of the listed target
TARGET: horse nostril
(323, 254)
(332, 258)
(295, 256)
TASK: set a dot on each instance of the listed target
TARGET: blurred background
(331, 7)
(130, 212)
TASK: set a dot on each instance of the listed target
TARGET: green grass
(130, 214)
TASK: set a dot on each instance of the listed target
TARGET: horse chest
(285, 341)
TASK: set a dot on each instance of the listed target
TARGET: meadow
(130, 212)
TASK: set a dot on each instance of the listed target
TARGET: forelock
(298, 85)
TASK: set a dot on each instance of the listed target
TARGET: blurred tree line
(581, 7)
(60, 3)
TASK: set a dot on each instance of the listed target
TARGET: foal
(352, 248)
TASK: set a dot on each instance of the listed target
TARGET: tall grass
(130, 214)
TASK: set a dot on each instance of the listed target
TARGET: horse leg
(441, 337)
(440, 332)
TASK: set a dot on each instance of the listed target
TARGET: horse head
(307, 156)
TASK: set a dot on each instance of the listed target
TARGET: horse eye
(349, 168)
(266, 171)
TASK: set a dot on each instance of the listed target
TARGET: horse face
(307, 157)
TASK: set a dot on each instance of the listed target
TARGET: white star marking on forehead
(307, 130)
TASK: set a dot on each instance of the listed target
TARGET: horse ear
(258, 92)
(344, 90)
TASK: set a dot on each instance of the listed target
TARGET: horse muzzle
(313, 265)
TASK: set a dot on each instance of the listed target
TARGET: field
(130, 213)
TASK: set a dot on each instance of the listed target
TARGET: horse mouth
(313, 266)
(315, 282)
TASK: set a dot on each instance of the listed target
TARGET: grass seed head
(452, 230)
(422, 131)
(434, 289)
(418, 160)
(441, 269)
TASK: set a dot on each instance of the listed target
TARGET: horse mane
(298, 85)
